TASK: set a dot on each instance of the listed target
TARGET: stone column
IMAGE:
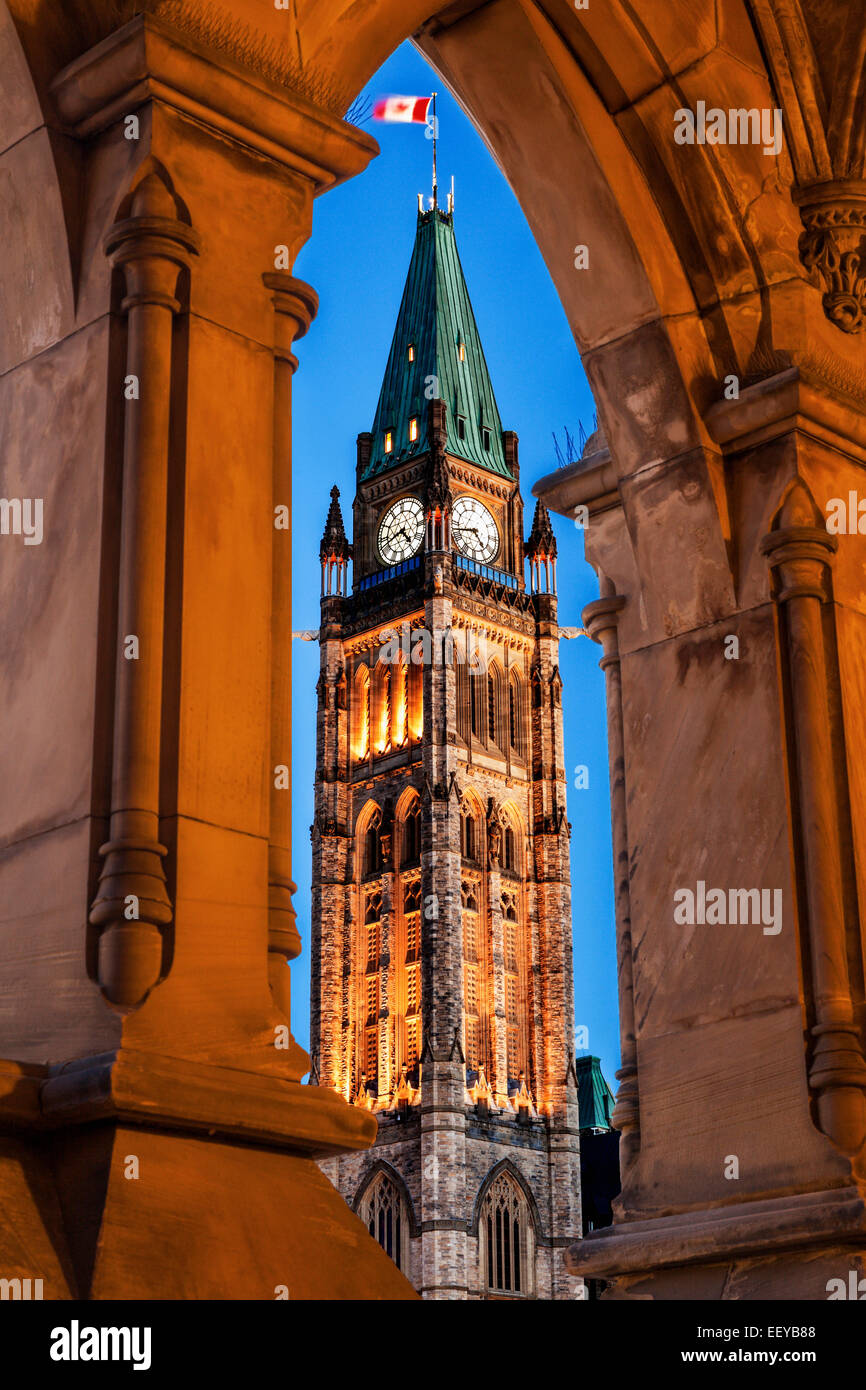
(600, 619)
(800, 553)
(151, 247)
(295, 304)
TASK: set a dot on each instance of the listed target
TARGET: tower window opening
(461, 350)
(389, 441)
(410, 353)
(461, 427)
(506, 1239)
(467, 835)
(413, 428)
(485, 438)
(370, 989)
(508, 850)
(412, 835)
(383, 1211)
(372, 856)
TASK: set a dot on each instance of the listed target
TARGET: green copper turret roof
(435, 318)
(595, 1098)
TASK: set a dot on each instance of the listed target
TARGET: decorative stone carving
(833, 245)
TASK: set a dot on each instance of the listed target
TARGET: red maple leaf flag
(402, 109)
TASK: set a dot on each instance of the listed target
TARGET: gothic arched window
(383, 1211)
(464, 721)
(477, 692)
(380, 713)
(468, 835)
(495, 712)
(361, 714)
(410, 839)
(509, 850)
(371, 970)
(515, 986)
(371, 856)
(473, 976)
(399, 705)
(516, 715)
(506, 1240)
(409, 976)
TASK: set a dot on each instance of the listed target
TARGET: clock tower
(442, 993)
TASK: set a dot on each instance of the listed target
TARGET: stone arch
(382, 1172)
(361, 713)
(513, 822)
(40, 235)
(382, 1166)
(518, 713)
(367, 849)
(471, 815)
(516, 1229)
(408, 806)
(497, 712)
(381, 705)
(508, 1166)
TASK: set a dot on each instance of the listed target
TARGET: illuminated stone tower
(442, 961)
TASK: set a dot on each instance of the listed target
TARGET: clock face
(474, 530)
(401, 530)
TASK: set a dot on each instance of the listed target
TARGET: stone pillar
(736, 770)
(600, 619)
(173, 542)
(800, 552)
(295, 304)
(151, 247)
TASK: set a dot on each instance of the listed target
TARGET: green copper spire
(436, 354)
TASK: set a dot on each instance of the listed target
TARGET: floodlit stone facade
(442, 989)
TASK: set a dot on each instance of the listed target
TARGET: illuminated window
(467, 834)
(389, 441)
(361, 714)
(411, 352)
(506, 1240)
(409, 975)
(461, 348)
(472, 983)
(383, 1211)
(413, 428)
(372, 849)
(370, 987)
(412, 835)
(509, 853)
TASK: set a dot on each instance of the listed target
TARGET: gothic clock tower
(442, 994)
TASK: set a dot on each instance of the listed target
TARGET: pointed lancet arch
(367, 847)
(507, 1225)
(361, 713)
(407, 819)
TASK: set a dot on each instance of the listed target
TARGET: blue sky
(357, 261)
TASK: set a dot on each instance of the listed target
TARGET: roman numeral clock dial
(474, 530)
(401, 530)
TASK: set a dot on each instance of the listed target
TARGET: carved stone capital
(833, 245)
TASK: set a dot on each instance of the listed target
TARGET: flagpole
(435, 189)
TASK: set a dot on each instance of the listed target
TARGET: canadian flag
(402, 109)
